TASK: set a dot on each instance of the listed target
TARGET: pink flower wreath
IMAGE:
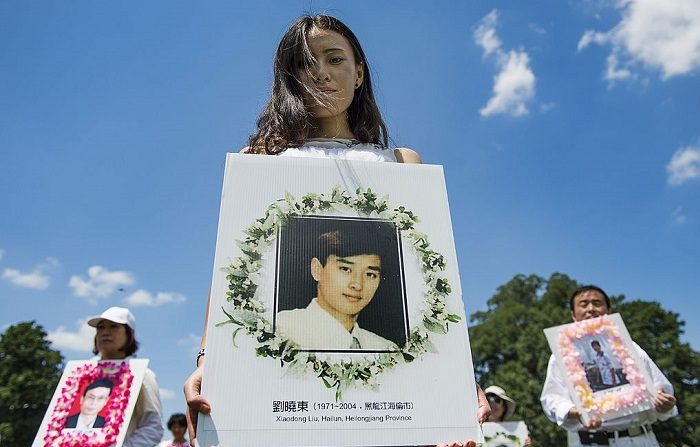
(614, 400)
(117, 372)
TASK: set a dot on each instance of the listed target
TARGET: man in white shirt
(347, 269)
(634, 430)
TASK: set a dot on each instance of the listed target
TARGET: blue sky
(569, 134)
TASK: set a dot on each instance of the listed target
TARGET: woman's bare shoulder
(406, 155)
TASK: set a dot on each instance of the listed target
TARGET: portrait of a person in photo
(94, 398)
(347, 264)
(606, 371)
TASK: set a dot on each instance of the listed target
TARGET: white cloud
(81, 340)
(678, 216)
(535, 28)
(192, 341)
(36, 279)
(143, 297)
(485, 34)
(662, 35)
(591, 36)
(166, 394)
(684, 165)
(100, 283)
(33, 280)
(514, 85)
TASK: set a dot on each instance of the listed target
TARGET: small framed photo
(92, 404)
(504, 434)
(604, 374)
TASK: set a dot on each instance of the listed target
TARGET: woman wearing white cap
(116, 340)
(502, 406)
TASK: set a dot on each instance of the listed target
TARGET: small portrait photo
(339, 284)
(603, 369)
(88, 410)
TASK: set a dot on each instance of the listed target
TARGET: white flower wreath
(248, 312)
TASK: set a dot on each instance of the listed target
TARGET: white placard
(603, 372)
(280, 371)
(505, 434)
(92, 404)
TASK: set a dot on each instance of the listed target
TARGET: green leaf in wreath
(454, 318)
(233, 336)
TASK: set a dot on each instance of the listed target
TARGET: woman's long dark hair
(285, 121)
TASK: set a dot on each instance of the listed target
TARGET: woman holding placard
(322, 106)
(116, 340)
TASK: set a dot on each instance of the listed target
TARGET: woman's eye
(336, 60)
(344, 268)
(372, 275)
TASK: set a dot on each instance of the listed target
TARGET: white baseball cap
(120, 315)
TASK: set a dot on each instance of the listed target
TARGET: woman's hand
(484, 411)
(196, 403)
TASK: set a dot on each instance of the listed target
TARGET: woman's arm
(406, 155)
(193, 386)
(147, 415)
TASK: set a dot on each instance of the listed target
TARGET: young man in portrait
(347, 269)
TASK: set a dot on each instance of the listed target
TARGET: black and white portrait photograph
(340, 284)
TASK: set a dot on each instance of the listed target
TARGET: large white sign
(336, 312)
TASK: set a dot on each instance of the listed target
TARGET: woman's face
(498, 408)
(111, 339)
(333, 77)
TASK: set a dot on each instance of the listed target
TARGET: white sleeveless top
(342, 149)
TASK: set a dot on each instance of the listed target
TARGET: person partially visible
(116, 340)
(94, 398)
(632, 431)
(605, 368)
(502, 406)
(177, 424)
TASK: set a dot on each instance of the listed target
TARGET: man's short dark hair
(177, 419)
(130, 347)
(363, 238)
(101, 383)
(595, 342)
(588, 288)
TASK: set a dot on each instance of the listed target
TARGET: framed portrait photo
(505, 434)
(604, 374)
(336, 313)
(92, 404)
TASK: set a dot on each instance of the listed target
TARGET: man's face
(596, 347)
(589, 304)
(93, 401)
(347, 285)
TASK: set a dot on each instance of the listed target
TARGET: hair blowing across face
(285, 121)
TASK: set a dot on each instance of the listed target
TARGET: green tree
(29, 373)
(510, 350)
